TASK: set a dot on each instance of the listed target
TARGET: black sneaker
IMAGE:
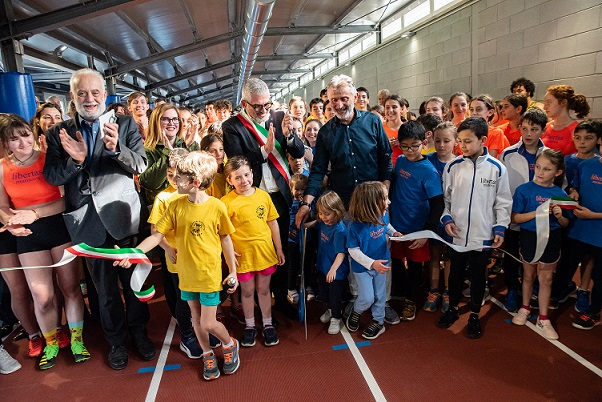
(270, 337)
(448, 318)
(571, 289)
(214, 341)
(248, 337)
(190, 346)
(353, 321)
(587, 321)
(145, 348)
(373, 331)
(474, 326)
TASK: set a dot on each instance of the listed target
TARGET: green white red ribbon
(136, 256)
(565, 202)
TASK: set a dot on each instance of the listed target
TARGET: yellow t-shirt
(218, 187)
(162, 201)
(198, 228)
(253, 237)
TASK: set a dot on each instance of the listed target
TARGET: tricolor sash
(278, 155)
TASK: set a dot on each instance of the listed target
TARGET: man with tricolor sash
(265, 137)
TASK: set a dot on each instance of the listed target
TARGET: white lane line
(580, 359)
(361, 363)
(154, 385)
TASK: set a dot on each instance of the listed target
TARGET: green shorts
(206, 298)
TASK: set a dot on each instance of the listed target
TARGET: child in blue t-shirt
(332, 263)
(587, 139)
(416, 204)
(549, 176)
(367, 246)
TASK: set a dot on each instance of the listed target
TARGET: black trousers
(406, 281)
(114, 319)
(333, 294)
(477, 266)
(279, 282)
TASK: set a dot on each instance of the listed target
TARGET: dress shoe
(448, 318)
(118, 357)
(145, 348)
(474, 326)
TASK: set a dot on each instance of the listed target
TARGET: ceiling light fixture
(59, 50)
(408, 34)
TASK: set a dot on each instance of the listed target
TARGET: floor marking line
(344, 345)
(377, 393)
(159, 368)
(580, 359)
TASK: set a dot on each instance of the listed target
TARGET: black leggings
(332, 293)
(406, 281)
(477, 266)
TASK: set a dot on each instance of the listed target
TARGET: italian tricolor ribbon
(135, 255)
(278, 155)
(565, 202)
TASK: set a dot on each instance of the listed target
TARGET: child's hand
(556, 210)
(281, 258)
(582, 212)
(497, 241)
(380, 267)
(16, 230)
(451, 229)
(233, 288)
(125, 263)
(172, 254)
(331, 275)
(417, 244)
(397, 234)
(574, 194)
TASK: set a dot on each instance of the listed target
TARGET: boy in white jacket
(477, 212)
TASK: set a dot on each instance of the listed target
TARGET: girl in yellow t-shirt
(257, 241)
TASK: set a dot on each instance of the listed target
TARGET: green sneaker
(48, 359)
(80, 353)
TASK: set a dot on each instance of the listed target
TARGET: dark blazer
(238, 140)
(101, 195)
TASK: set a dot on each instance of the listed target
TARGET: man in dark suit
(96, 165)
(265, 137)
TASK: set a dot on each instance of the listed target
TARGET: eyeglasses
(410, 148)
(173, 120)
(260, 108)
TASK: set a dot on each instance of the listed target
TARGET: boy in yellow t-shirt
(202, 228)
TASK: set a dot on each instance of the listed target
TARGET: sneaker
(248, 337)
(210, 370)
(511, 301)
(408, 310)
(214, 341)
(237, 314)
(335, 326)
(432, 302)
(270, 337)
(353, 321)
(325, 318)
(553, 305)
(445, 302)
(36, 345)
(310, 294)
(535, 302)
(448, 318)
(571, 289)
(231, 359)
(582, 303)
(373, 331)
(546, 328)
(7, 363)
(63, 338)
(293, 296)
(349, 308)
(521, 317)
(48, 359)
(587, 321)
(191, 347)
(474, 326)
(391, 316)
(80, 353)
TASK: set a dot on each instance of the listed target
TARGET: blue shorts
(206, 298)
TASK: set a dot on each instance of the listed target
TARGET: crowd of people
(229, 202)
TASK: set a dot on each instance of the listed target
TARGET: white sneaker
(335, 326)
(521, 317)
(310, 293)
(7, 363)
(325, 318)
(546, 328)
(293, 296)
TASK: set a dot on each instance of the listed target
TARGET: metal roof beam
(320, 30)
(278, 72)
(62, 17)
(192, 74)
(201, 85)
(276, 57)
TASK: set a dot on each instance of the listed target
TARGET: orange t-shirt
(512, 135)
(26, 186)
(392, 133)
(561, 140)
(496, 140)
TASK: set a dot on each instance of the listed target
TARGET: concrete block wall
(483, 48)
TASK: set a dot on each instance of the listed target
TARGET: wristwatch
(303, 204)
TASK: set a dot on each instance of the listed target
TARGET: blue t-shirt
(571, 162)
(332, 242)
(432, 157)
(529, 196)
(589, 182)
(371, 240)
(414, 184)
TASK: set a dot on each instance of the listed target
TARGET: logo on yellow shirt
(197, 228)
(260, 211)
